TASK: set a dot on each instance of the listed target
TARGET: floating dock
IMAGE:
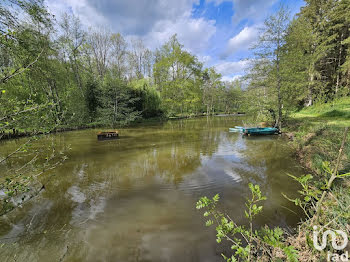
(108, 135)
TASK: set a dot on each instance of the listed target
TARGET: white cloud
(194, 34)
(205, 59)
(87, 15)
(153, 22)
(242, 41)
(230, 78)
(136, 17)
(232, 68)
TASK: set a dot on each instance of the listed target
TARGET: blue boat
(255, 130)
(260, 131)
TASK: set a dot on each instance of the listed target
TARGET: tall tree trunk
(115, 108)
(279, 95)
(310, 85)
(77, 75)
(338, 68)
(348, 81)
(53, 96)
(279, 121)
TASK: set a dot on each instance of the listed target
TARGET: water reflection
(133, 199)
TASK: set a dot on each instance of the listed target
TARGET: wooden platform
(108, 135)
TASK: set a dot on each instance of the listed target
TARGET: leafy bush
(248, 244)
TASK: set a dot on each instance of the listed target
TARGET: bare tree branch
(20, 112)
(20, 70)
(16, 151)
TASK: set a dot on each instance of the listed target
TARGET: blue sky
(219, 32)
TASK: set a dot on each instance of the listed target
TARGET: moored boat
(255, 130)
(261, 131)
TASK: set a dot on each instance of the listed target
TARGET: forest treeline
(54, 72)
(301, 61)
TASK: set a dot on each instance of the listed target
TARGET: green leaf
(246, 214)
(216, 198)
(343, 175)
(209, 222)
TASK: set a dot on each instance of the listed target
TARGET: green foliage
(22, 183)
(266, 72)
(304, 63)
(313, 189)
(248, 244)
(212, 87)
(117, 103)
(92, 98)
(150, 101)
(177, 77)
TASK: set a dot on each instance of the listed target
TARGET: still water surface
(133, 199)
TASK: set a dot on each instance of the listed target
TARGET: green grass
(335, 113)
(318, 131)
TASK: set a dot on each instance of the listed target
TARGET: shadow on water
(133, 198)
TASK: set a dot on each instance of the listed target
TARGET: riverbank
(18, 133)
(316, 134)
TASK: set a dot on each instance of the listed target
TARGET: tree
(269, 48)
(177, 75)
(71, 41)
(140, 60)
(100, 43)
(150, 102)
(327, 31)
(92, 98)
(16, 49)
(298, 64)
(23, 45)
(344, 6)
(232, 97)
(336, 31)
(119, 53)
(117, 103)
(211, 86)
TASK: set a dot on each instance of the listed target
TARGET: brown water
(133, 199)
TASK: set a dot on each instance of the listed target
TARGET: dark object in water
(108, 135)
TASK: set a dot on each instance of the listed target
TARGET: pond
(133, 199)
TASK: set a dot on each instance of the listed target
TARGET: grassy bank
(316, 133)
